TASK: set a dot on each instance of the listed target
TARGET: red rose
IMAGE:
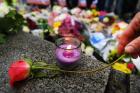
(18, 70)
(22, 69)
(131, 66)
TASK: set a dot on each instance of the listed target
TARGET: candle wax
(67, 56)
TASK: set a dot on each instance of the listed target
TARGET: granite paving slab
(134, 84)
(118, 82)
(38, 49)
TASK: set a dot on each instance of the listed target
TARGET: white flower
(76, 11)
(123, 25)
(83, 47)
(56, 31)
(89, 51)
(38, 33)
(61, 17)
(136, 62)
(57, 9)
(4, 9)
(26, 29)
(65, 10)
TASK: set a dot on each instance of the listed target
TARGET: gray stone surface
(38, 49)
(134, 84)
(118, 82)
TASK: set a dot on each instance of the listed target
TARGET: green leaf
(11, 14)
(2, 38)
(9, 2)
(40, 64)
(11, 23)
(29, 61)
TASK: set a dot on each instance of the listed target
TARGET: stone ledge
(38, 49)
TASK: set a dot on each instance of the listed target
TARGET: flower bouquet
(10, 23)
(68, 25)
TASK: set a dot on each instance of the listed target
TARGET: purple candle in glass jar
(68, 52)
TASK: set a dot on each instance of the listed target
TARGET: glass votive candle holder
(68, 52)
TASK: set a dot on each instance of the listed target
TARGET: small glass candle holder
(68, 52)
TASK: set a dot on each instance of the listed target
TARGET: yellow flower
(57, 24)
(122, 67)
(96, 19)
(115, 29)
(121, 26)
(95, 12)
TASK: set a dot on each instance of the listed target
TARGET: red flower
(18, 70)
(131, 66)
(32, 25)
(102, 13)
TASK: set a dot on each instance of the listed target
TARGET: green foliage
(113, 55)
(11, 23)
(43, 24)
(9, 2)
(2, 38)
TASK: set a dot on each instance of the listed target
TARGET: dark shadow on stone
(118, 82)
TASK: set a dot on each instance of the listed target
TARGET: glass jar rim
(65, 43)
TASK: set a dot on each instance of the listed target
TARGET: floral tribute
(71, 27)
(97, 30)
(22, 69)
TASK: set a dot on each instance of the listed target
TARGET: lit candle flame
(69, 47)
(68, 53)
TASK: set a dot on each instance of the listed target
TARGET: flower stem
(55, 68)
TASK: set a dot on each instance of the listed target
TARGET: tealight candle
(68, 52)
